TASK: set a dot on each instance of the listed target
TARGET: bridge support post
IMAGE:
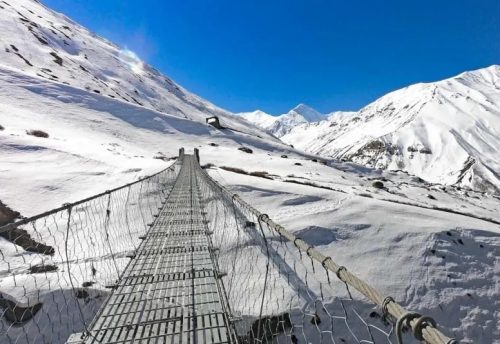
(197, 154)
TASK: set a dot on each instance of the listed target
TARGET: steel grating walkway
(171, 291)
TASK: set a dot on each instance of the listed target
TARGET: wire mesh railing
(56, 267)
(282, 290)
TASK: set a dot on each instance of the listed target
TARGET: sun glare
(133, 61)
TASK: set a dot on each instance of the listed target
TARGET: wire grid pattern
(55, 268)
(259, 283)
(170, 292)
(276, 292)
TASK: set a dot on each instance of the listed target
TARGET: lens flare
(132, 60)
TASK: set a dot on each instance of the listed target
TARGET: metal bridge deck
(170, 292)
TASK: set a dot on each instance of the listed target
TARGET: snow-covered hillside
(281, 125)
(437, 252)
(93, 142)
(96, 143)
(42, 43)
(103, 109)
(445, 132)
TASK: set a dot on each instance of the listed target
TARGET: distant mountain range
(80, 115)
(281, 125)
(445, 132)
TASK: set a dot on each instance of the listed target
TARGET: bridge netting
(61, 269)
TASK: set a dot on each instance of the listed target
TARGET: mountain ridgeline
(283, 124)
(446, 132)
(42, 43)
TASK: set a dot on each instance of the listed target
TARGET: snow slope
(94, 141)
(437, 252)
(46, 44)
(308, 113)
(281, 125)
(259, 118)
(445, 132)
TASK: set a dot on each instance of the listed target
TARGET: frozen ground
(443, 264)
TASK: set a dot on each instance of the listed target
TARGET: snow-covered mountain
(104, 110)
(306, 112)
(259, 118)
(340, 115)
(57, 77)
(46, 44)
(281, 125)
(445, 132)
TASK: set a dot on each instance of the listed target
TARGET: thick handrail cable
(66, 206)
(422, 327)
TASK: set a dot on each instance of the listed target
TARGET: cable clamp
(405, 318)
(263, 217)
(339, 270)
(421, 323)
(323, 262)
(385, 303)
(295, 242)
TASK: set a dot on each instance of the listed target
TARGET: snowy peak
(487, 75)
(281, 125)
(306, 112)
(445, 132)
(259, 118)
(299, 115)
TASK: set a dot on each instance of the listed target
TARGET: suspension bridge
(176, 258)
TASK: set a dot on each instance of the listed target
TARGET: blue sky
(271, 55)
